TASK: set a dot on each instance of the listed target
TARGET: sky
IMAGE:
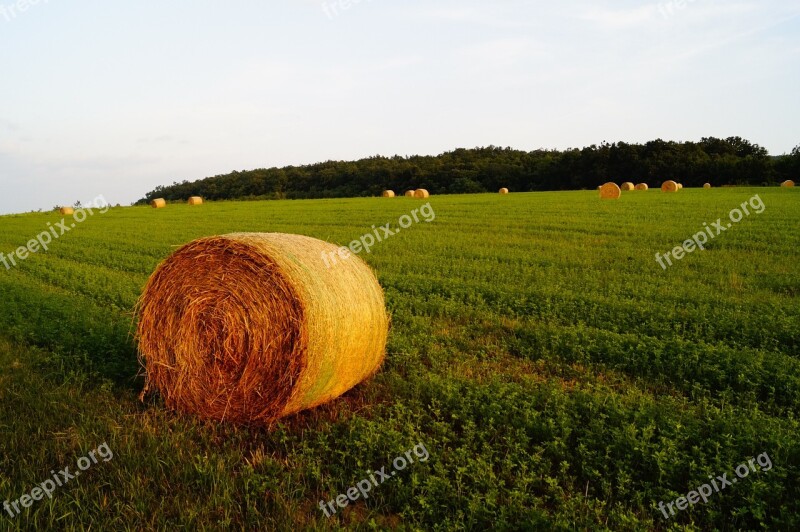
(115, 98)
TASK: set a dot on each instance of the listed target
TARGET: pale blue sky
(114, 98)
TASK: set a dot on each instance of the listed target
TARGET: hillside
(719, 161)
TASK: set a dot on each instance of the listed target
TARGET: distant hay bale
(642, 186)
(788, 184)
(409, 193)
(388, 194)
(627, 186)
(66, 211)
(669, 186)
(421, 193)
(195, 200)
(251, 327)
(707, 185)
(610, 191)
(503, 191)
(680, 186)
(159, 203)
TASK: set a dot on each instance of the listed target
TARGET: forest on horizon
(730, 161)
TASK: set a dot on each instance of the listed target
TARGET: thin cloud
(616, 19)
(453, 14)
(504, 52)
(485, 14)
(11, 127)
(161, 139)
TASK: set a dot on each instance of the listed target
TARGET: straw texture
(421, 193)
(788, 183)
(627, 186)
(610, 191)
(409, 194)
(195, 200)
(388, 193)
(707, 185)
(66, 211)
(669, 186)
(503, 191)
(251, 327)
(158, 203)
(642, 186)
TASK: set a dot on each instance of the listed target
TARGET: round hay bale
(159, 203)
(680, 186)
(642, 186)
(707, 185)
(610, 191)
(251, 327)
(66, 211)
(503, 191)
(627, 186)
(669, 186)
(195, 200)
(388, 194)
(788, 183)
(421, 193)
(409, 193)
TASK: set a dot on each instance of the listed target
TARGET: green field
(557, 375)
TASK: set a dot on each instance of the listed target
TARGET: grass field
(557, 375)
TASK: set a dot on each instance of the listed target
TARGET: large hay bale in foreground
(66, 211)
(158, 203)
(195, 200)
(642, 186)
(707, 185)
(610, 191)
(421, 193)
(409, 193)
(250, 327)
(788, 183)
(627, 186)
(388, 194)
(669, 186)
(503, 191)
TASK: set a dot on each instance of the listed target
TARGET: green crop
(558, 376)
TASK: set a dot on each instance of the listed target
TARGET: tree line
(730, 161)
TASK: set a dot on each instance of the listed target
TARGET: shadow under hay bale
(251, 327)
